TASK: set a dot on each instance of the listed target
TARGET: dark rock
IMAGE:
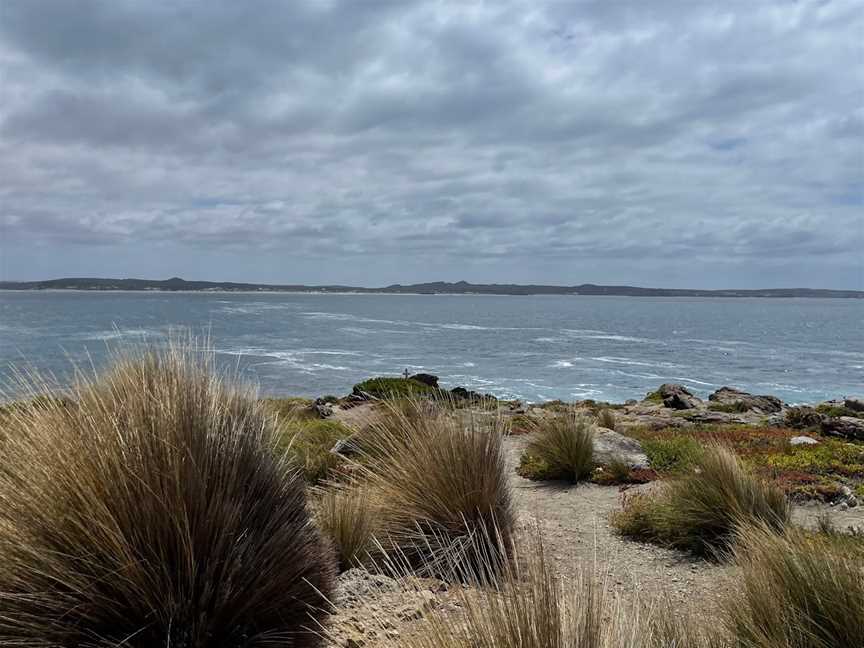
(426, 379)
(466, 394)
(762, 404)
(800, 418)
(678, 397)
(854, 404)
(847, 427)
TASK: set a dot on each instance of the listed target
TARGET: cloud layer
(666, 143)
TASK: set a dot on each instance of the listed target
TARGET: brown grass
(797, 590)
(350, 517)
(154, 513)
(442, 485)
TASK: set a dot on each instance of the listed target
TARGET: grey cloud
(515, 138)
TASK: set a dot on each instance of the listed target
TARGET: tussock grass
(562, 448)
(531, 606)
(442, 485)
(798, 590)
(154, 512)
(700, 511)
(606, 418)
(349, 516)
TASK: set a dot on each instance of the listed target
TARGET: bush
(672, 454)
(389, 388)
(562, 448)
(798, 590)
(155, 513)
(834, 411)
(700, 511)
(308, 443)
(442, 486)
(349, 516)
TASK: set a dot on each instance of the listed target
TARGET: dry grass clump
(606, 418)
(155, 513)
(530, 606)
(442, 484)
(701, 510)
(798, 590)
(562, 448)
(350, 517)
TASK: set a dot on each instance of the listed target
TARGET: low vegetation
(442, 485)
(390, 388)
(561, 449)
(309, 444)
(350, 517)
(606, 418)
(700, 510)
(531, 606)
(818, 471)
(797, 590)
(735, 407)
(154, 512)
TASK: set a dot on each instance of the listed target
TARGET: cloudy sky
(680, 143)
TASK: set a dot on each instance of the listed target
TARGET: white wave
(562, 364)
(118, 334)
(636, 363)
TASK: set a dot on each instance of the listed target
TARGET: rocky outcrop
(854, 404)
(426, 379)
(731, 396)
(847, 427)
(461, 393)
(678, 397)
(609, 447)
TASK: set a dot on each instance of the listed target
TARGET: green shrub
(155, 513)
(835, 411)
(309, 443)
(797, 590)
(700, 511)
(654, 397)
(562, 448)
(672, 454)
(391, 388)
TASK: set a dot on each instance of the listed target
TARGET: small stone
(802, 440)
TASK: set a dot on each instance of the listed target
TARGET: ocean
(534, 348)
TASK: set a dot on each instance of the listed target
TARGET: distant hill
(434, 288)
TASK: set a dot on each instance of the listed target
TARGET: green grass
(309, 442)
(389, 388)
(653, 397)
(673, 454)
(835, 411)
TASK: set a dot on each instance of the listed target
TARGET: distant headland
(176, 284)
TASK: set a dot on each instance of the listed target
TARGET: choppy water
(535, 348)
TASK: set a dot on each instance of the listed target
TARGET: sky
(671, 143)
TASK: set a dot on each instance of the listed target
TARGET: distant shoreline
(177, 285)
